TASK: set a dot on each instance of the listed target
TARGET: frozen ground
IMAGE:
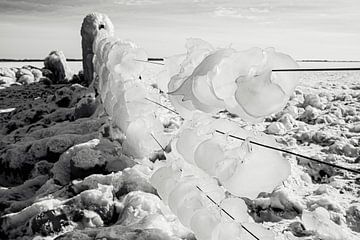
(63, 175)
(326, 127)
(321, 121)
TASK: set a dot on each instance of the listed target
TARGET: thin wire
(158, 59)
(315, 69)
(298, 60)
(326, 61)
(155, 59)
(156, 63)
(159, 104)
(227, 213)
(157, 142)
(296, 154)
(273, 70)
(274, 148)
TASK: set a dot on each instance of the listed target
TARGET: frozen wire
(157, 142)
(161, 105)
(278, 149)
(227, 213)
(326, 61)
(156, 63)
(315, 69)
(287, 69)
(292, 153)
(157, 60)
(298, 60)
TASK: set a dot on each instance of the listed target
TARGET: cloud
(242, 13)
(147, 21)
(44, 7)
(136, 2)
(14, 6)
(259, 10)
(227, 12)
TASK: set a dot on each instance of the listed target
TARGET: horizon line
(80, 59)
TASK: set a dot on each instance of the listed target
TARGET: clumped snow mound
(319, 222)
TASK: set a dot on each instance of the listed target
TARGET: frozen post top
(91, 26)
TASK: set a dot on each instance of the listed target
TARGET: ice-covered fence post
(92, 24)
(117, 65)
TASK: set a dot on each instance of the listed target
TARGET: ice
(240, 81)
(124, 96)
(164, 180)
(319, 221)
(187, 144)
(258, 230)
(236, 207)
(261, 170)
(203, 223)
(188, 207)
(172, 67)
(227, 230)
(243, 168)
(208, 154)
(180, 189)
(207, 164)
(141, 134)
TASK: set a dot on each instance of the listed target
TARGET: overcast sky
(322, 29)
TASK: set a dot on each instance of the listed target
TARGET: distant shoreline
(79, 60)
(320, 60)
(36, 60)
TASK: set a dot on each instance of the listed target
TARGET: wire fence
(356, 171)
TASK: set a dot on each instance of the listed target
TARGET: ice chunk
(319, 222)
(240, 81)
(203, 223)
(141, 134)
(243, 168)
(261, 170)
(237, 208)
(207, 156)
(256, 229)
(187, 144)
(227, 230)
(164, 180)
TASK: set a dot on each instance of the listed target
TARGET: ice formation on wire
(197, 50)
(244, 169)
(202, 157)
(178, 188)
(240, 81)
(206, 80)
(124, 95)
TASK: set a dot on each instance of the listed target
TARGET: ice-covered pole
(92, 24)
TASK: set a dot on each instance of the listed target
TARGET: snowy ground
(322, 120)
(327, 130)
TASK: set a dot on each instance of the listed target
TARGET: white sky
(305, 29)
